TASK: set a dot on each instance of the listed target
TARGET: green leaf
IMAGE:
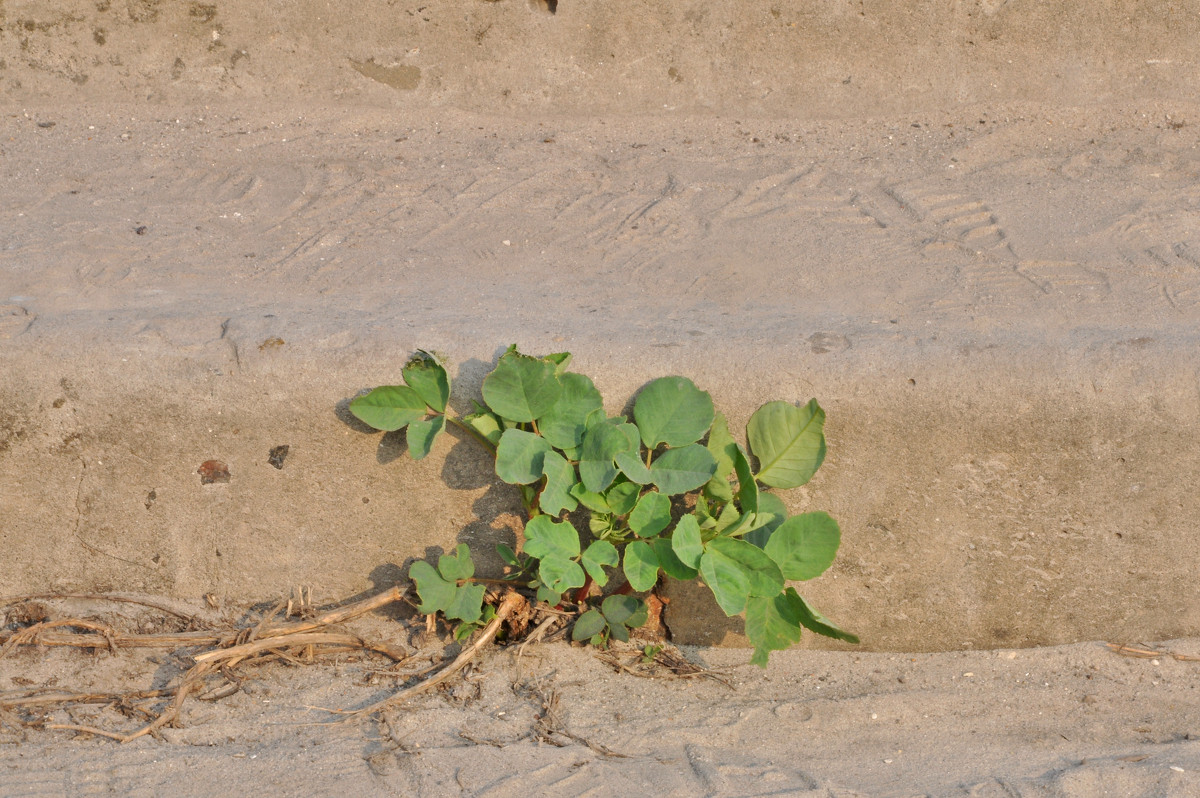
(681, 470)
(425, 375)
(600, 524)
(389, 407)
(672, 566)
(596, 557)
(564, 423)
(560, 360)
(560, 575)
(727, 579)
(601, 443)
(622, 497)
(747, 488)
(619, 632)
(818, 622)
(772, 624)
(458, 565)
(771, 513)
(545, 537)
(722, 445)
(788, 441)
(718, 488)
(685, 541)
(651, 515)
(588, 625)
(508, 555)
(521, 388)
(468, 603)
(623, 610)
(765, 577)
(641, 566)
(435, 592)
(672, 410)
(560, 478)
(422, 433)
(547, 594)
(631, 465)
(735, 570)
(520, 457)
(805, 545)
(593, 501)
(484, 422)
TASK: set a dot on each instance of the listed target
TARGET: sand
(973, 233)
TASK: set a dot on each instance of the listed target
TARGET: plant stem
(582, 593)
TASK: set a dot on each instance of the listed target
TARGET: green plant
(668, 492)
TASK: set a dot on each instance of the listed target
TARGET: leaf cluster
(668, 491)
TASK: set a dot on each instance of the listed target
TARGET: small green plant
(668, 492)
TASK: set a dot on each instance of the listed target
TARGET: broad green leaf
(547, 594)
(641, 566)
(722, 445)
(631, 465)
(651, 515)
(771, 513)
(425, 375)
(669, 561)
(435, 592)
(623, 610)
(564, 423)
(718, 488)
(804, 545)
(588, 625)
(685, 541)
(619, 632)
(521, 388)
(622, 497)
(601, 443)
(485, 423)
(458, 565)
(772, 624)
(560, 478)
(788, 441)
(735, 570)
(422, 433)
(672, 410)
(468, 603)
(681, 470)
(596, 557)
(593, 501)
(545, 537)
(727, 579)
(765, 577)
(816, 621)
(747, 488)
(520, 457)
(560, 575)
(728, 517)
(389, 407)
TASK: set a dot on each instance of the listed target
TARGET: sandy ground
(974, 233)
(1071, 721)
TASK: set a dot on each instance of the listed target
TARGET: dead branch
(511, 603)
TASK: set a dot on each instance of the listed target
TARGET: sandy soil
(953, 224)
(1069, 722)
